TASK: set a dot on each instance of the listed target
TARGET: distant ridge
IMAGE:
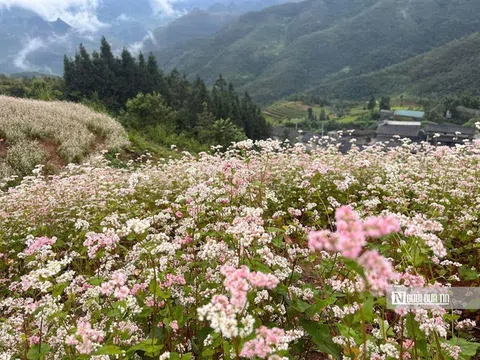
(297, 47)
(451, 68)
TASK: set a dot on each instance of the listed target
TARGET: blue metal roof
(409, 113)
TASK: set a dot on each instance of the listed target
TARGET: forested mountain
(34, 35)
(202, 23)
(452, 68)
(296, 47)
(197, 24)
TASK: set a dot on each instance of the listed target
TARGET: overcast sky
(81, 14)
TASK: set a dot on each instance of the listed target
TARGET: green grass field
(281, 112)
(293, 111)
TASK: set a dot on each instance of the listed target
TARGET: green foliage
(372, 103)
(314, 44)
(46, 88)
(221, 132)
(385, 103)
(149, 110)
(445, 70)
(148, 99)
(436, 110)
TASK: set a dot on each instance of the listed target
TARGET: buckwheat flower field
(263, 252)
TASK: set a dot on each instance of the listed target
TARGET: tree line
(122, 84)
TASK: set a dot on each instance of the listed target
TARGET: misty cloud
(138, 46)
(80, 14)
(163, 6)
(31, 46)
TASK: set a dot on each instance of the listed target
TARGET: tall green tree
(128, 85)
(137, 87)
(385, 103)
(372, 103)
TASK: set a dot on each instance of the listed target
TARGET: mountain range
(34, 38)
(347, 49)
(335, 46)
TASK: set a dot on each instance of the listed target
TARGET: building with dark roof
(386, 114)
(386, 132)
(468, 111)
(447, 134)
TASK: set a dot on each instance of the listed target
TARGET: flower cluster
(268, 251)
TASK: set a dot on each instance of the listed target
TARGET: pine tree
(106, 54)
(68, 76)
(156, 78)
(127, 74)
(372, 103)
(143, 81)
(83, 73)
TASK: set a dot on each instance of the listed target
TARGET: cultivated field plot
(293, 110)
(262, 252)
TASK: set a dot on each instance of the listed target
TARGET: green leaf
(368, 309)
(278, 242)
(149, 347)
(274, 229)
(157, 291)
(109, 350)
(300, 305)
(96, 281)
(352, 265)
(469, 349)
(38, 352)
(322, 338)
(319, 305)
(58, 289)
(467, 273)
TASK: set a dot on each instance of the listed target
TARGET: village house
(392, 130)
(448, 134)
(408, 115)
(401, 115)
(468, 111)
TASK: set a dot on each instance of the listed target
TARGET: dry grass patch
(36, 132)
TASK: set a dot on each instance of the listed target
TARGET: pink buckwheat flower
(378, 270)
(261, 280)
(33, 340)
(95, 242)
(174, 325)
(106, 288)
(39, 243)
(351, 237)
(322, 240)
(121, 292)
(264, 343)
(377, 227)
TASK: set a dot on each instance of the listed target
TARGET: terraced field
(296, 111)
(286, 110)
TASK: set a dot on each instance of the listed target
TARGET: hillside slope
(452, 68)
(52, 133)
(197, 24)
(293, 47)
